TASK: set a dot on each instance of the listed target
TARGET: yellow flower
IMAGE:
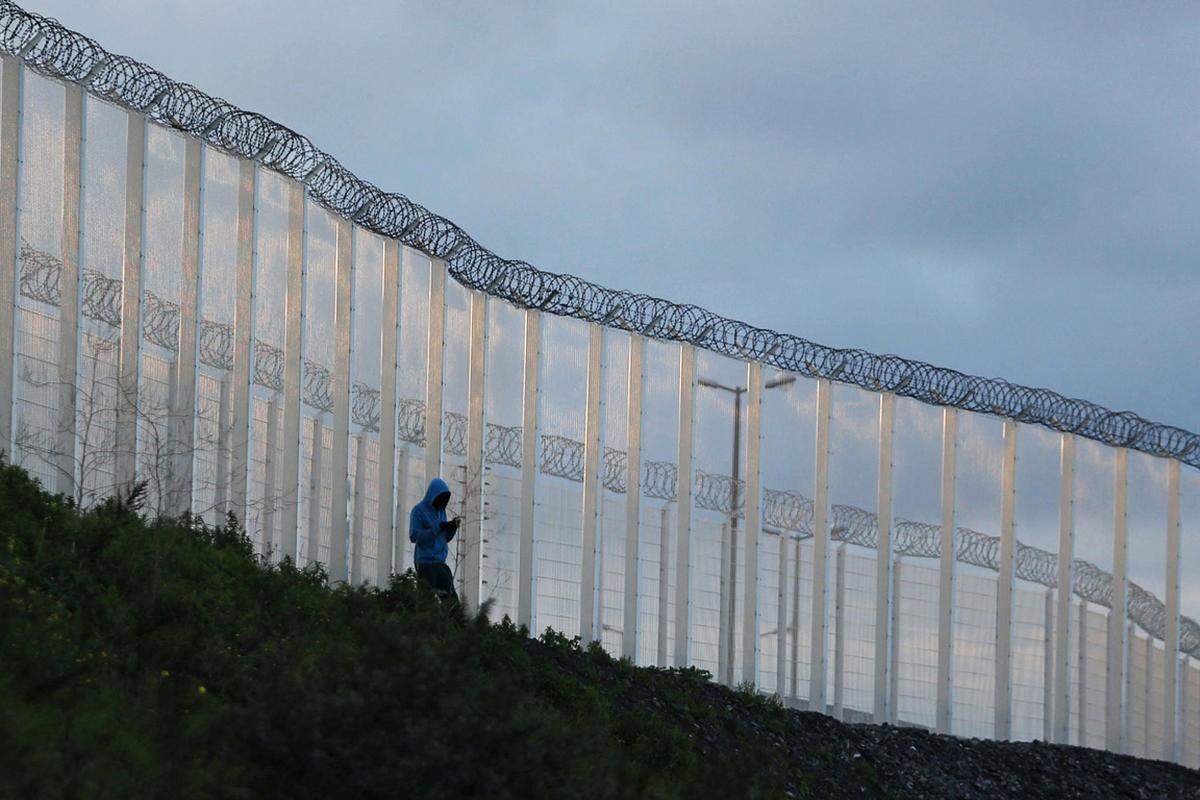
(202, 690)
(166, 674)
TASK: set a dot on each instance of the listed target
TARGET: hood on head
(437, 487)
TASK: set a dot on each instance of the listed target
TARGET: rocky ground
(818, 756)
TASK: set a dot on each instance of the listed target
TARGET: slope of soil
(164, 660)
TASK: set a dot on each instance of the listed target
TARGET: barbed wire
(48, 47)
(563, 457)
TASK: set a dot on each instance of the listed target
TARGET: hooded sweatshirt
(425, 526)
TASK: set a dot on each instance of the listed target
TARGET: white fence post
(10, 151)
(797, 571)
(820, 567)
(68, 330)
(435, 350)
(385, 547)
(753, 522)
(1004, 586)
(529, 466)
(342, 342)
(591, 485)
(946, 571)
(473, 502)
(725, 616)
(315, 491)
(1170, 752)
(293, 366)
(633, 495)
(1081, 667)
(664, 584)
(894, 655)
(839, 634)
(883, 559)
(1062, 626)
(125, 461)
(683, 503)
(1115, 700)
(781, 619)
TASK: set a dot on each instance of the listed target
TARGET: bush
(156, 659)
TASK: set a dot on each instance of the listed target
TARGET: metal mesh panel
(611, 531)
(318, 383)
(412, 360)
(660, 442)
(558, 528)
(857, 584)
(1096, 622)
(1031, 644)
(916, 503)
(39, 216)
(917, 638)
(853, 484)
(977, 511)
(454, 404)
(502, 411)
(365, 375)
(718, 566)
(218, 260)
(267, 355)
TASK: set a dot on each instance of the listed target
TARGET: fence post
(293, 353)
(753, 522)
(893, 707)
(820, 529)
(270, 484)
(316, 489)
(1066, 553)
(946, 572)
(529, 466)
(1147, 691)
(358, 504)
(1048, 644)
(385, 547)
(243, 341)
(633, 495)
(725, 618)
(591, 485)
(436, 346)
(664, 583)
(473, 501)
(339, 465)
(400, 542)
(683, 503)
(11, 85)
(797, 571)
(839, 634)
(224, 426)
(1081, 666)
(781, 619)
(125, 471)
(883, 558)
(68, 331)
(1004, 586)
(1171, 640)
(1115, 701)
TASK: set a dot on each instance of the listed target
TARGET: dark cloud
(1008, 189)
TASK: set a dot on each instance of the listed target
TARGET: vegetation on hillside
(164, 659)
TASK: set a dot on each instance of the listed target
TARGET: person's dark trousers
(440, 579)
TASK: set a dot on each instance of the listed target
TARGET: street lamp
(735, 494)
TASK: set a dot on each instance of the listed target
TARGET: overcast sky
(1010, 190)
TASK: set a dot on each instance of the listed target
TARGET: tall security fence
(198, 298)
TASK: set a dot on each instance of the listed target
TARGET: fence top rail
(48, 47)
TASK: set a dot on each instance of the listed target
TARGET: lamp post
(735, 496)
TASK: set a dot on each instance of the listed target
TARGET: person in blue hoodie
(430, 531)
